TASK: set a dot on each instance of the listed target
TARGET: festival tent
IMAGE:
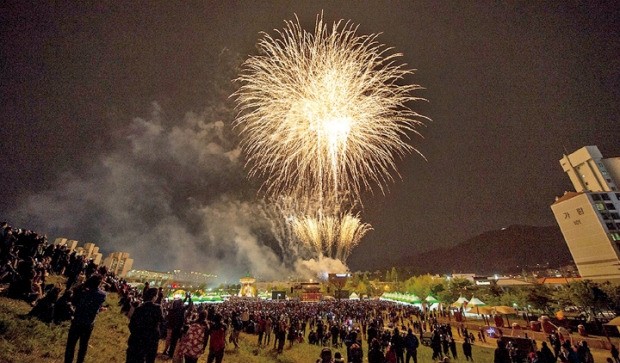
(460, 302)
(614, 322)
(401, 298)
(475, 303)
(354, 296)
(431, 299)
(488, 310)
(412, 299)
(505, 310)
(209, 299)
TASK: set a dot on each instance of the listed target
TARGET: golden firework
(324, 114)
(322, 117)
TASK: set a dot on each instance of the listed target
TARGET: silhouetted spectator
(44, 308)
(144, 330)
(88, 301)
(63, 310)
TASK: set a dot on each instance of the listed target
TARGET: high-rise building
(119, 263)
(89, 250)
(589, 172)
(590, 217)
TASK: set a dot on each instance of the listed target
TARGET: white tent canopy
(460, 302)
(475, 302)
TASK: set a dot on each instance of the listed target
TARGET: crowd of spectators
(347, 330)
(27, 260)
(383, 331)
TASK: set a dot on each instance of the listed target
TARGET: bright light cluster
(324, 113)
(322, 117)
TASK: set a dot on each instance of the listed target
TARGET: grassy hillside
(24, 339)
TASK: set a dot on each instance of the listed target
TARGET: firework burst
(309, 230)
(323, 115)
(331, 236)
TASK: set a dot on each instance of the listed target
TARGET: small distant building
(248, 288)
(119, 263)
(89, 250)
(174, 278)
(69, 243)
(310, 291)
(466, 276)
(155, 278)
(589, 217)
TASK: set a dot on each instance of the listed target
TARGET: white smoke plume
(319, 268)
(173, 194)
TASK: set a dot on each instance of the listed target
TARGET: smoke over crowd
(174, 194)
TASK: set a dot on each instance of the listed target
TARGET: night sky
(115, 121)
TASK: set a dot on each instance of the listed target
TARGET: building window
(615, 216)
(605, 197)
(596, 197)
(600, 206)
(615, 236)
(610, 206)
(610, 226)
(618, 196)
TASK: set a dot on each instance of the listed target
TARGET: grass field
(24, 340)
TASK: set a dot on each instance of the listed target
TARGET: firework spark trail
(322, 114)
(331, 236)
(322, 117)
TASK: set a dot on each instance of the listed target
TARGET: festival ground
(26, 339)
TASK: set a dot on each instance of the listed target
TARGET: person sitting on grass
(63, 309)
(44, 308)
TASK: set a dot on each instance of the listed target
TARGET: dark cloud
(511, 86)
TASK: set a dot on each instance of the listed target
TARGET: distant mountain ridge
(502, 251)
